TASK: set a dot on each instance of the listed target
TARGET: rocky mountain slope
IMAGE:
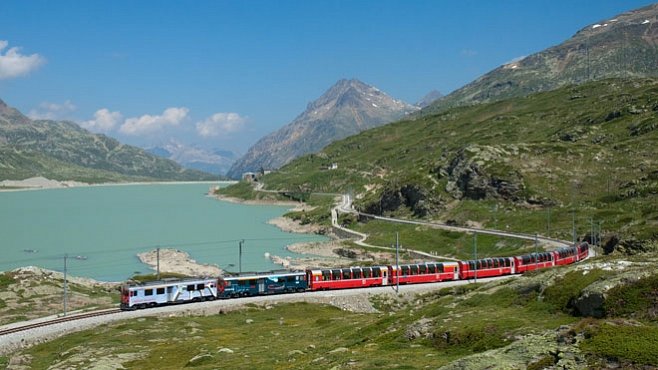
(349, 107)
(428, 99)
(625, 45)
(530, 164)
(62, 150)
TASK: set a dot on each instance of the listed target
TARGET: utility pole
(240, 257)
(536, 252)
(157, 252)
(475, 254)
(599, 233)
(591, 231)
(496, 216)
(66, 256)
(548, 221)
(573, 225)
(397, 262)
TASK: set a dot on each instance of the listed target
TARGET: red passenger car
(423, 273)
(565, 256)
(583, 251)
(534, 261)
(486, 267)
(351, 277)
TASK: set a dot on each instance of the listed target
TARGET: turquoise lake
(109, 225)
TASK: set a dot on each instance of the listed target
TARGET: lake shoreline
(42, 183)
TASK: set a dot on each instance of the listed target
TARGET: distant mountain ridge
(211, 161)
(62, 150)
(347, 108)
(625, 45)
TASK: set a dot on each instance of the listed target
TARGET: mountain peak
(346, 108)
(619, 46)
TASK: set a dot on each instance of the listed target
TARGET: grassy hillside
(527, 164)
(538, 320)
(62, 150)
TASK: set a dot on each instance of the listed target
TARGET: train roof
(269, 274)
(169, 281)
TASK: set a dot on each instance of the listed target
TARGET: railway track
(58, 320)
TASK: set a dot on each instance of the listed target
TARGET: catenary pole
(475, 254)
(397, 262)
(158, 261)
(240, 256)
(66, 256)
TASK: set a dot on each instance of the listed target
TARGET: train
(173, 291)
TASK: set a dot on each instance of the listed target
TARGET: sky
(222, 74)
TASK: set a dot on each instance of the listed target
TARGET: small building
(250, 176)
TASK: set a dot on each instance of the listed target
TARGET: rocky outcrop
(414, 197)
(471, 175)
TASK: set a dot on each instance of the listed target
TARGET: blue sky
(221, 74)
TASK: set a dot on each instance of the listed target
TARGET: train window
(439, 268)
(375, 272)
(335, 274)
(159, 291)
(148, 291)
(190, 287)
(326, 275)
(357, 273)
(366, 272)
(422, 269)
(414, 270)
(200, 286)
(405, 270)
(431, 268)
(347, 274)
(471, 265)
(133, 293)
(170, 289)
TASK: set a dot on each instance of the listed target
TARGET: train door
(384, 276)
(261, 286)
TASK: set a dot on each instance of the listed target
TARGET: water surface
(108, 225)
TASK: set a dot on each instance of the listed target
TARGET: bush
(562, 295)
(635, 344)
(638, 299)
(5, 280)
(475, 338)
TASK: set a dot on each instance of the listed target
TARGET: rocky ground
(179, 262)
(31, 292)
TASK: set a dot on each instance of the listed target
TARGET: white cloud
(14, 64)
(220, 124)
(147, 123)
(104, 121)
(52, 111)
